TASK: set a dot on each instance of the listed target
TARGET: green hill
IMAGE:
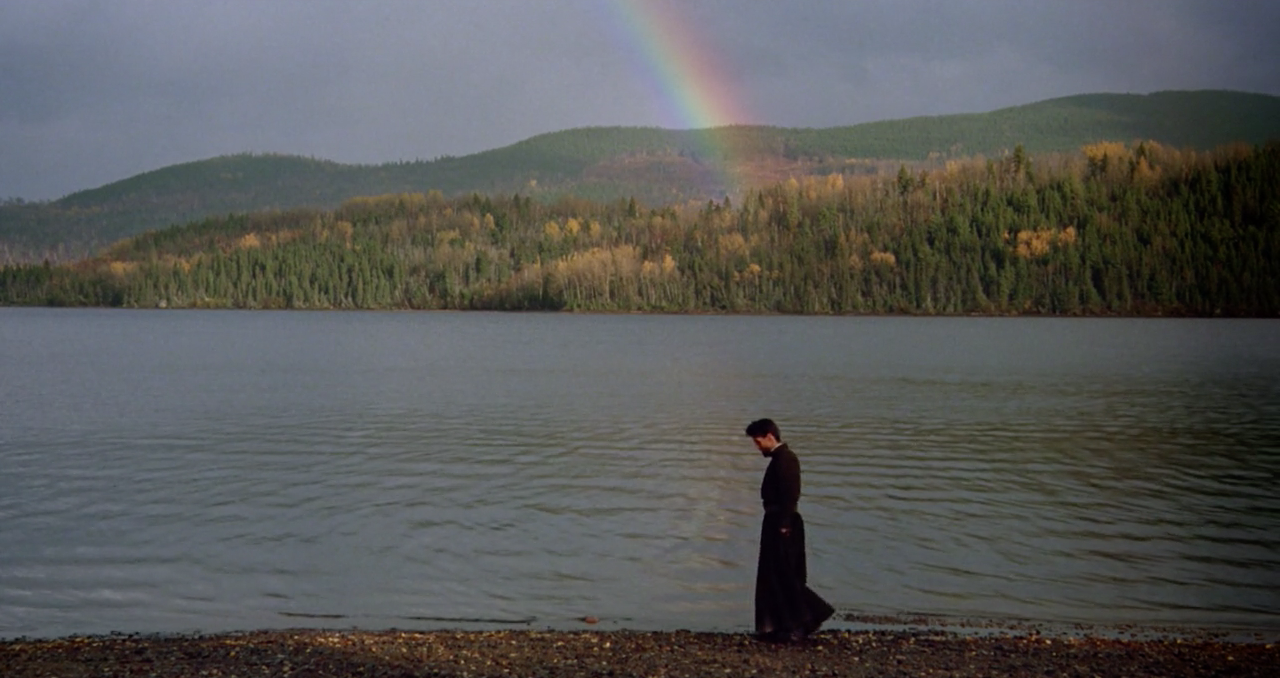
(655, 166)
(1142, 229)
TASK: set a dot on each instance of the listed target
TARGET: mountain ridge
(654, 165)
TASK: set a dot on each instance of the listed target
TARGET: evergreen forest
(1113, 229)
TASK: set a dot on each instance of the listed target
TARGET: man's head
(765, 434)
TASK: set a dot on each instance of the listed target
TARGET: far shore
(712, 313)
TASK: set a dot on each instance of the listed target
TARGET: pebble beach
(322, 653)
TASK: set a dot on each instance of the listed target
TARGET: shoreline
(688, 312)
(902, 652)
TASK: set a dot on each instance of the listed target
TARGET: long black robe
(784, 603)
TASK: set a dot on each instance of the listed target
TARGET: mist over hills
(655, 166)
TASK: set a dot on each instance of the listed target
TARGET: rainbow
(696, 90)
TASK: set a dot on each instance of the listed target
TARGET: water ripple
(222, 471)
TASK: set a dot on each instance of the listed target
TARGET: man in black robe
(786, 609)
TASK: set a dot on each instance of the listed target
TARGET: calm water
(177, 471)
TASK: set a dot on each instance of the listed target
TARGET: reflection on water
(170, 471)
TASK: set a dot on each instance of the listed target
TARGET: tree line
(1116, 229)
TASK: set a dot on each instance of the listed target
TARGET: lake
(173, 471)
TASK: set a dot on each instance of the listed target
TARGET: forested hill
(1116, 230)
(655, 166)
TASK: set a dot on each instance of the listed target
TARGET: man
(786, 609)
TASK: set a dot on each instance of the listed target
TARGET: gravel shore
(317, 653)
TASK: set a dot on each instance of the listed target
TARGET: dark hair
(763, 427)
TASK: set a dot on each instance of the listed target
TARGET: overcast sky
(93, 92)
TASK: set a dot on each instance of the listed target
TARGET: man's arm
(789, 483)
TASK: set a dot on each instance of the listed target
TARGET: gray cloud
(93, 92)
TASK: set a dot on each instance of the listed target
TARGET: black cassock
(784, 602)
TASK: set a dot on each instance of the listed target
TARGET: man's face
(765, 443)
